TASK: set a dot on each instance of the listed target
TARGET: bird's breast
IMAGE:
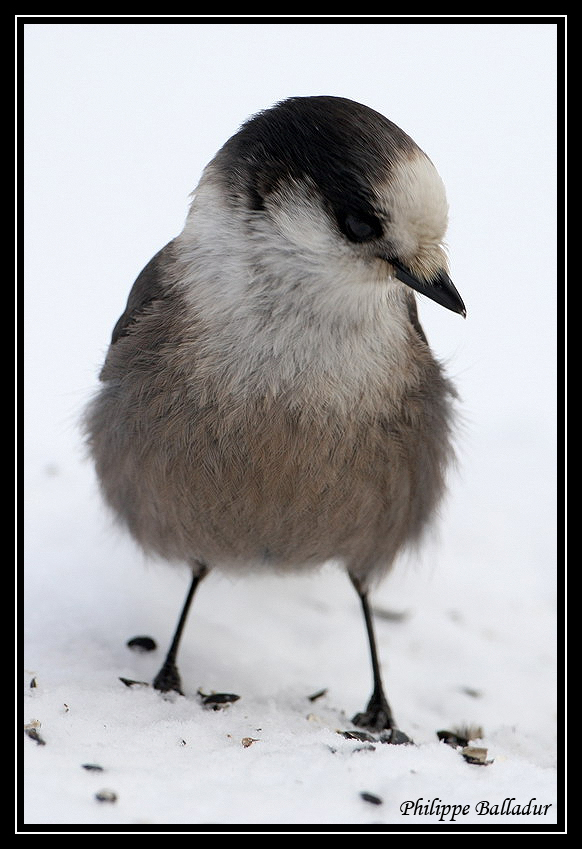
(249, 450)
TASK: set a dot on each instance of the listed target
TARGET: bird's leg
(378, 714)
(168, 678)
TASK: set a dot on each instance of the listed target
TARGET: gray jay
(269, 400)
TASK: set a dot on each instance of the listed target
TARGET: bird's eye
(360, 229)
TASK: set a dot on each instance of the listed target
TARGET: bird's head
(326, 188)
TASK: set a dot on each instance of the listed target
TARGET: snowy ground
(113, 146)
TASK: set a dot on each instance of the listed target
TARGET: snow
(119, 121)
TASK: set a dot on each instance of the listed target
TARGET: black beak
(439, 288)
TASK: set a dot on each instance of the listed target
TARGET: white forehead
(415, 203)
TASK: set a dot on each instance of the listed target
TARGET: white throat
(293, 321)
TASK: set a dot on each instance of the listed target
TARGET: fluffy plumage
(269, 399)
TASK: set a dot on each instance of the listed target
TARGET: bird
(269, 401)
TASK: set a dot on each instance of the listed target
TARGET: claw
(168, 678)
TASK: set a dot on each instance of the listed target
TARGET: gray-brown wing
(413, 316)
(151, 285)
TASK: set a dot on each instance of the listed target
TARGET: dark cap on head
(341, 146)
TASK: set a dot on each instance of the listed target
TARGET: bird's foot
(168, 678)
(378, 717)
